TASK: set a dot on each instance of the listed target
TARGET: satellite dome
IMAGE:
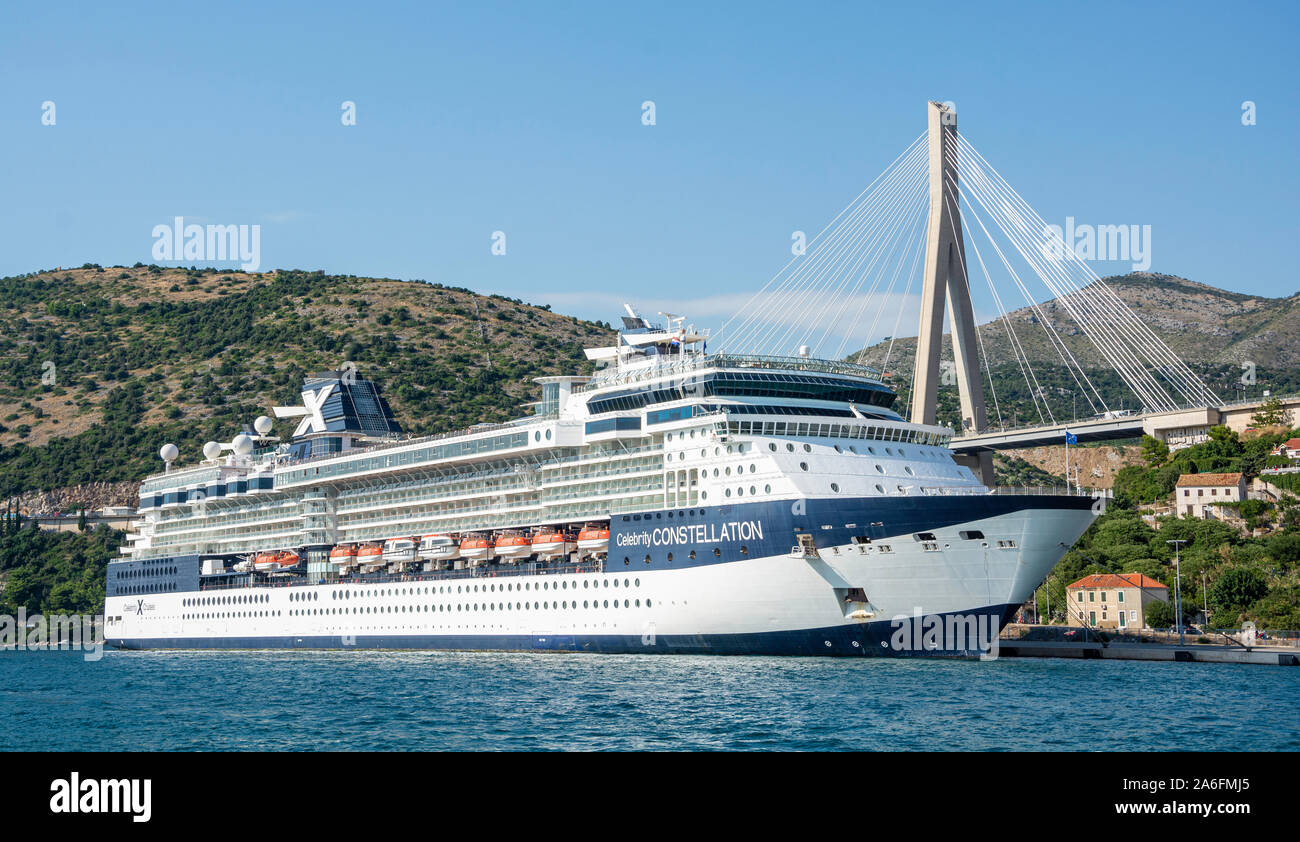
(243, 444)
(169, 452)
(211, 450)
(263, 425)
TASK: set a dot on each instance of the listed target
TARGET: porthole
(767, 489)
(879, 469)
(692, 554)
(727, 492)
(880, 488)
(839, 449)
(647, 559)
(717, 552)
(908, 469)
(835, 486)
(753, 490)
(771, 446)
(789, 447)
(803, 466)
(807, 448)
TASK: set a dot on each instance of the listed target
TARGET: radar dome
(211, 450)
(169, 452)
(263, 425)
(243, 444)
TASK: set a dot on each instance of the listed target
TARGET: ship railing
(1015, 491)
(687, 363)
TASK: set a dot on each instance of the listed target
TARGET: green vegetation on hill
(55, 572)
(99, 367)
(1239, 577)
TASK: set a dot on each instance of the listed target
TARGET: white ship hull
(775, 604)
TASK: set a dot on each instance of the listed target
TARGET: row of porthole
(753, 489)
(704, 452)
(545, 605)
(221, 615)
(140, 574)
(838, 449)
(717, 552)
(129, 589)
(717, 450)
(238, 599)
(347, 594)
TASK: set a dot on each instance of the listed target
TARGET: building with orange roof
(1197, 494)
(1112, 600)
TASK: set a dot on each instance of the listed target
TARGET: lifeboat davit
(275, 561)
(552, 543)
(512, 546)
(370, 556)
(400, 550)
(476, 548)
(593, 539)
(438, 547)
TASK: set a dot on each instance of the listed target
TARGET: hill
(1214, 331)
(99, 366)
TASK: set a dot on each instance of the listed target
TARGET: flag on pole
(1071, 438)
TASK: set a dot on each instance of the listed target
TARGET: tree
(81, 520)
(1159, 615)
(1237, 589)
(1154, 451)
(1271, 413)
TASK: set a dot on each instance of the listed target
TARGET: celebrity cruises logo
(209, 244)
(58, 632)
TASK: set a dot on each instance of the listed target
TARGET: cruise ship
(675, 502)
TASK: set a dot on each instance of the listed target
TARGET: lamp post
(1178, 588)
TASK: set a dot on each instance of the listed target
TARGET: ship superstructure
(674, 501)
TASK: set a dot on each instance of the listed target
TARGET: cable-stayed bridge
(905, 237)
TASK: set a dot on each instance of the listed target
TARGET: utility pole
(1178, 588)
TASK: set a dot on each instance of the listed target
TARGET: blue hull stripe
(853, 640)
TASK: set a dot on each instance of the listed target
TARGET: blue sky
(526, 118)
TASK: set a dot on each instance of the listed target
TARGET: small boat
(400, 550)
(593, 539)
(476, 548)
(370, 557)
(438, 547)
(552, 543)
(272, 562)
(511, 546)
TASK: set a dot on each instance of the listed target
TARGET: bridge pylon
(946, 287)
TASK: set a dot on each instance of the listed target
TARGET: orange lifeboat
(345, 554)
(370, 556)
(476, 548)
(552, 543)
(593, 539)
(510, 546)
(275, 561)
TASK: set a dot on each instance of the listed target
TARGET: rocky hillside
(101, 365)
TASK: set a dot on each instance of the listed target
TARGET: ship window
(647, 559)
(879, 469)
(909, 470)
(771, 447)
(880, 488)
(692, 554)
(767, 489)
(807, 448)
(803, 466)
(717, 552)
(835, 486)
